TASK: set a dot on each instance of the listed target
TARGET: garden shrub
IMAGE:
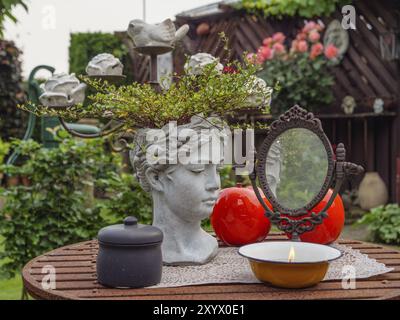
(50, 212)
(384, 223)
(126, 198)
(12, 93)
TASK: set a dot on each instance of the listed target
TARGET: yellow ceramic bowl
(269, 262)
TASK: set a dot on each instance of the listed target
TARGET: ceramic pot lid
(130, 233)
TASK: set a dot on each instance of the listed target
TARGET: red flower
(331, 51)
(267, 42)
(266, 53)
(301, 36)
(311, 25)
(278, 48)
(230, 69)
(316, 50)
(302, 46)
(314, 36)
(260, 59)
(279, 37)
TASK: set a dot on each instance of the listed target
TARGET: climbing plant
(281, 8)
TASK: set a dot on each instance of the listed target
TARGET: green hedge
(282, 8)
(84, 46)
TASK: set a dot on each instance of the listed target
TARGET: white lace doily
(230, 267)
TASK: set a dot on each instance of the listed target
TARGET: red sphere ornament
(332, 226)
(238, 217)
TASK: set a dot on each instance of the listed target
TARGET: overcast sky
(43, 33)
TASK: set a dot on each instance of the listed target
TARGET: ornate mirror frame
(299, 221)
(295, 118)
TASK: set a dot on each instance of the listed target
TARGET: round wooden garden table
(75, 268)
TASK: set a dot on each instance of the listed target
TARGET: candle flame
(292, 255)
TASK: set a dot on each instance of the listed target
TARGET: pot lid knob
(130, 221)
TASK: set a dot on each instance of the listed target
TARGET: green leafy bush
(281, 8)
(126, 198)
(384, 223)
(52, 211)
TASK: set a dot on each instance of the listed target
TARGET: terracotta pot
(372, 191)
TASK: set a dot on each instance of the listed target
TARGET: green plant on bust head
(211, 92)
(384, 223)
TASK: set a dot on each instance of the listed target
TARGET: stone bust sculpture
(183, 194)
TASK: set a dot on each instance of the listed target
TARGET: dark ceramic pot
(129, 255)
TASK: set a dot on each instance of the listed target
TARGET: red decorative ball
(239, 218)
(332, 226)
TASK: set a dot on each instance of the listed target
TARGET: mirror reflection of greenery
(304, 167)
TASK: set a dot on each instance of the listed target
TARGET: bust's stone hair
(138, 157)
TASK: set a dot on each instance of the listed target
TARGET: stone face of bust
(191, 190)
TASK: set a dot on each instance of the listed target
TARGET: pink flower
(302, 46)
(251, 57)
(266, 52)
(331, 51)
(267, 42)
(294, 45)
(279, 37)
(278, 48)
(320, 27)
(316, 50)
(260, 59)
(314, 36)
(311, 25)
(301, 36)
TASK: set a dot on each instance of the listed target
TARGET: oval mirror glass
(296, 167)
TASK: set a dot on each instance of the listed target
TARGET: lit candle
(292, 255)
